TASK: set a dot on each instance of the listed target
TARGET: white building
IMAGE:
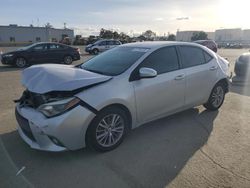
(24, 34)
(246, 36)
(186, 36)
(228, 35)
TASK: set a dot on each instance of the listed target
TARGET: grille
(24, 125)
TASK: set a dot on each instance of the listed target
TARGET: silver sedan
(95, 104)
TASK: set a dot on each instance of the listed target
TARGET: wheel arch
(115, 105)
(21, 56)
(225, 83)
(68, 55)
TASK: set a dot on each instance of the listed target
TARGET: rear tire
(20, 62)
(216, 98)
(108, 129)
(67, 60)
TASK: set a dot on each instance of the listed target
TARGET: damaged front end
(34, 100)
(50, 104)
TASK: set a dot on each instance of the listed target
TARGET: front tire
(216, 98)
(21, 62)
(95, 51)
(107, 130)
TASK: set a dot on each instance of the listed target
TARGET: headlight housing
(59, 107)
(8, 55)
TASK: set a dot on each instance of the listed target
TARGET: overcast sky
(130, 16)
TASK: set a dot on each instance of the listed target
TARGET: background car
(242, 65)
(209, 44)
(41, 53)
(101, 46)
(98, 102)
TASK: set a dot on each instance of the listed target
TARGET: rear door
(56, 53)
(200, 69)
(164, 93)
(112, 44)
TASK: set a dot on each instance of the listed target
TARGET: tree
(199, 36)
(171, 37)
(149, 35)
(106, 34)
(116, 35)
(109, 34)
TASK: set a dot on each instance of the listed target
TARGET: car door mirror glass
(147, 72)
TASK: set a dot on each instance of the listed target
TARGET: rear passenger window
(163, 60)
(207, 57)
(55, 47)
(192, 56)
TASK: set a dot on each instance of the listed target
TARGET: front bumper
(76, 57)
(7, 60)
(64, 132)
(88, 49)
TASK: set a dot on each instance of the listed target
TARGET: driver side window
(103, 43)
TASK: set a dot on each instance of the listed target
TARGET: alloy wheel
(217, 96)
(20, 62)
(110, 130)
(68, 60)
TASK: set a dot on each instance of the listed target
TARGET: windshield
(114, 61)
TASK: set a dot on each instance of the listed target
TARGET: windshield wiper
(95, 71)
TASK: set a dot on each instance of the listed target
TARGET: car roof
(158, 44)
(100, 40)
(50, 43)
(204, 41)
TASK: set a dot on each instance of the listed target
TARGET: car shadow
(151, 155)
(9, 68)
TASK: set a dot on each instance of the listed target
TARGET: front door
(163, 94)
(38, 54)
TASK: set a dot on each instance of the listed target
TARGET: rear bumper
(76, 57)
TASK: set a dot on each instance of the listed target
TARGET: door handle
(180, 77)
(213, 68)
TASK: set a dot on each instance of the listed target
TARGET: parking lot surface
(194, 148)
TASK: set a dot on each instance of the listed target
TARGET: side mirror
(147, 72)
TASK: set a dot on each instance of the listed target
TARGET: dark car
(242, 65)
(41, 53)
(209, 44)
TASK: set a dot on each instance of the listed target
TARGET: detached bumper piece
(24, 125)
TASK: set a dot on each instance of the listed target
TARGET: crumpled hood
(52, 77)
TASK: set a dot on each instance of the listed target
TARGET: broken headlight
(58, 107)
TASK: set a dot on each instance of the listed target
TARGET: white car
(102, 45)
(98, 102)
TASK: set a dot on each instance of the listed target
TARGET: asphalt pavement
(194, 148)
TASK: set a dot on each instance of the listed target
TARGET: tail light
(78, 49)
